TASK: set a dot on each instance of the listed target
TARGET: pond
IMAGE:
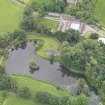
(18, 63)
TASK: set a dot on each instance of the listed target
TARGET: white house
(77, 26)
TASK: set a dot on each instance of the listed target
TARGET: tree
(52, 58)
(64, 100)
(43, 97)
(94, 36)
(33, 66)
(28, 23)
(7, 83)
(28, 11)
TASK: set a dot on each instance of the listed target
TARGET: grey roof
(72, 1)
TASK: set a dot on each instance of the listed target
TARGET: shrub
(33, 65)
(94, 36)
(39, 44)
(25, 92)
(43, 97)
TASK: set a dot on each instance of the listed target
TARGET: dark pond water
(18, 63)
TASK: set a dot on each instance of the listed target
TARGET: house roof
(75, 26)
(71, 1)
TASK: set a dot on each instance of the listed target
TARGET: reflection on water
(18, 63)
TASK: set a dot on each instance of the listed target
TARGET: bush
(25, 92)
(43, 97)
(47, 98)
(39, 44)
(7, 83)
(33, 65)
(52, 58)
(4, 94)
(94, 36)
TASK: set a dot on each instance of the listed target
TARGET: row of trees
(7, 41)
(8, 38)
(30, 23)
(7, 83)
(53, 6)
(49, 99)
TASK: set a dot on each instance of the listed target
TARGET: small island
(33, 66)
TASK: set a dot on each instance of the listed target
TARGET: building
(54, 15)
(72, 2)
(77, 26)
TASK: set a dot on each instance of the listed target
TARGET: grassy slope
(35, 86)
(10, 15)
(49, 43)
(100, 11)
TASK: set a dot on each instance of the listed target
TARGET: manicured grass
(34, 86)
(1, 97)
(2, 60)
(53, 25)
(13, 100)
(49, 43)
(10, 15)
(100, 11)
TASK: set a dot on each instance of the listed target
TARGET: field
(34, 86)
(10, 15)
(100, 11)
(49, 43)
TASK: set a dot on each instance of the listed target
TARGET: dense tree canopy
(88, 58)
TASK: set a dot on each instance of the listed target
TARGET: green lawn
(34, 86)
(53, 25)
(100, 11)
(37, 85)
(10, 15)
(49, 43)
